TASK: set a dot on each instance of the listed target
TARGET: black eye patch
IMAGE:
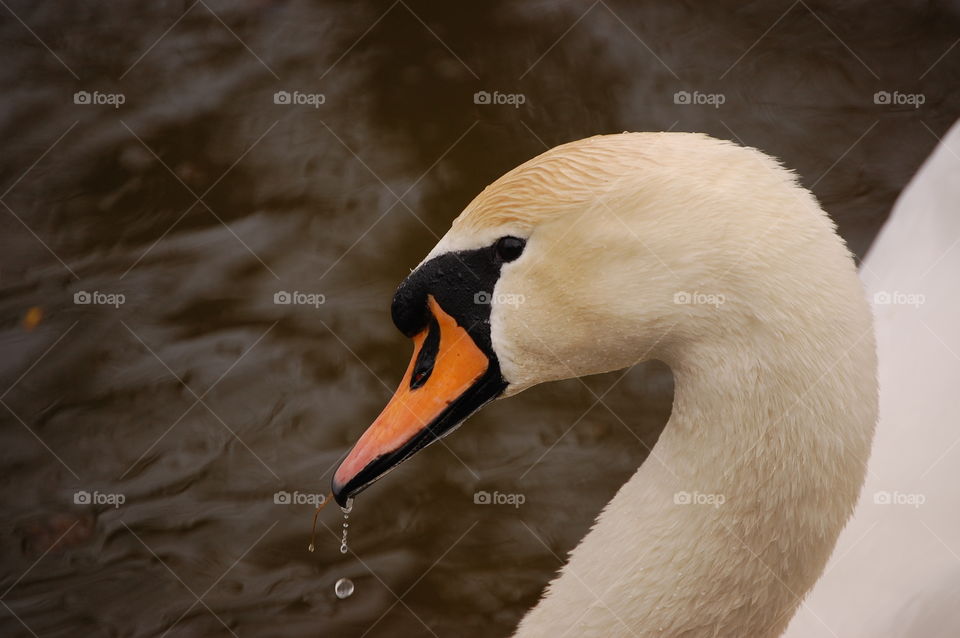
(461, 282)
(423, 368)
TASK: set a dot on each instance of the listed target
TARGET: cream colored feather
(774, 364)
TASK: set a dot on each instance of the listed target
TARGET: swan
(896, 568)
(710, 257)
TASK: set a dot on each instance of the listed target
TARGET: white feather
(776, 395)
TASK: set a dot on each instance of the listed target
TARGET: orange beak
(447, 380)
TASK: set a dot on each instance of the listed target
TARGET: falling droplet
(310, 547)
(343, 588)
(346, 515)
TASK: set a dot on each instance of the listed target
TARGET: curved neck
(733, 515)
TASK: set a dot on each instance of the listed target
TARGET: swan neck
(731, 518)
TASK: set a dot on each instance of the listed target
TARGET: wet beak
(449, 378)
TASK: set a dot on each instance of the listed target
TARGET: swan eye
(509, 248)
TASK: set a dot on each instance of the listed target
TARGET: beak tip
(339, 491)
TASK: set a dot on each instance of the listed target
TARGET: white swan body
(709, 257)
(896, 569)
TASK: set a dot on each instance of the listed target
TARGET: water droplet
(343, 538)
(310, 547)
(343, 588)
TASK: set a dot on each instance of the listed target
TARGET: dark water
(199, 398)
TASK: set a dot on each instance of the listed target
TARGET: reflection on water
(195, 284)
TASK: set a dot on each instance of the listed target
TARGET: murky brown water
(199, 398)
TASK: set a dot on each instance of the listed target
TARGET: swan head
(588, 258)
